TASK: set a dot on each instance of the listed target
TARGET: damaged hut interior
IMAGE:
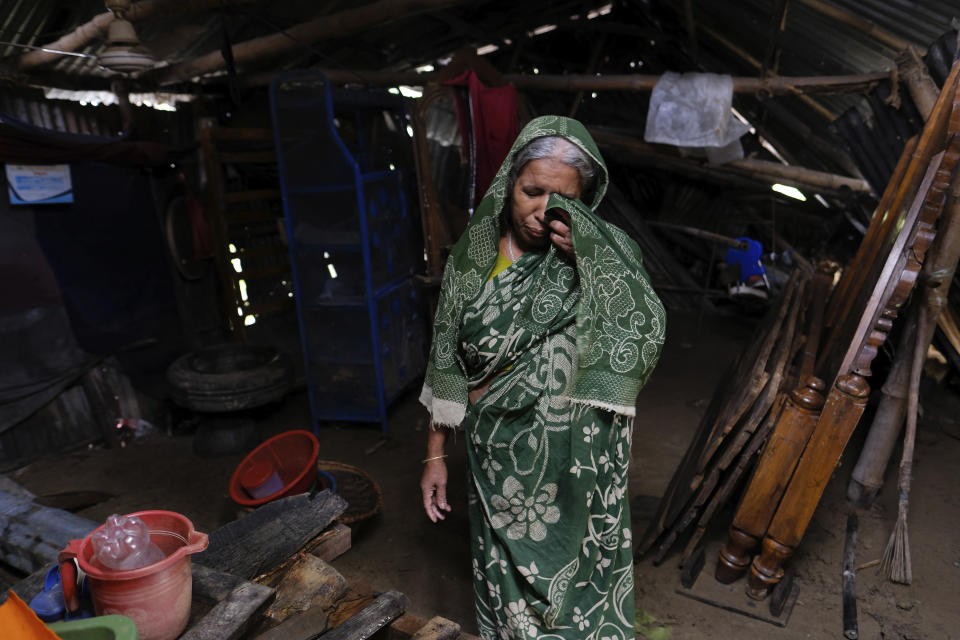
(243, 244)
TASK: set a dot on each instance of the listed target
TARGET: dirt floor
(400, 549)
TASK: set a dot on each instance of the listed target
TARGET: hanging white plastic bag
(693, 110)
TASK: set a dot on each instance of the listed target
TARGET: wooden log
(238, 604)
(264, 538)
(849, 582)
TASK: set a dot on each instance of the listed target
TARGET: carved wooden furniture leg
(769, 481)
(782, 451)
(839, 417)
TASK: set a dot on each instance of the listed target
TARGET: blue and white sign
(39, 183)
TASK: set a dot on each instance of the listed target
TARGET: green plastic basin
(111, 627)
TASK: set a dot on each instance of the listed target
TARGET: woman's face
(533, 187)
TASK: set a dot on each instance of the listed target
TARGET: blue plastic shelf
(349, 194)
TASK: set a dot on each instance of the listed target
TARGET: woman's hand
(561, 237)
(433, 485)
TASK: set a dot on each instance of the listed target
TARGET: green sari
(548, 443)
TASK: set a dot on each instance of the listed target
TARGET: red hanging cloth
(488, 126)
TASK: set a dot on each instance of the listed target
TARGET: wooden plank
(743, 430)
(266, 537)
(313, 623)
(238, 604)
(381, 612)
(332, 543)
(309, 584)
(438, 629)
(310, 624)
(727, 405)
(845, 313)
(408, 625)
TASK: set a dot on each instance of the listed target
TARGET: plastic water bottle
(124, 543)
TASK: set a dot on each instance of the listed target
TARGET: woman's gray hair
(561, 149)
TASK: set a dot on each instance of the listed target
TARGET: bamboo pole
(337, 25)
(863, 26)
(778, 24)
(771, 172)
(96, 27)
(811, 177)
(867, 477)
(691, 25)
(777, 85)
(756, 64)
(922, 88)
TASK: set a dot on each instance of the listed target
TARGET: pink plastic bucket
(157, 597)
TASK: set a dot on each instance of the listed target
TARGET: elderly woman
(546, 329)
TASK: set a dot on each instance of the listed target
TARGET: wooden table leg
(769, 481)
(840, 416)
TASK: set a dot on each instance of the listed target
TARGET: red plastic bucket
(292, 455)
(157, 597)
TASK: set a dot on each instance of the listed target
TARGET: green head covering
(620, 321)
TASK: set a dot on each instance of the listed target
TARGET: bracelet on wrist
(426, 460)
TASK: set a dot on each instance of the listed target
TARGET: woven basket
(356, 487)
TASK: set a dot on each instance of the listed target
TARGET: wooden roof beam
(337, 25)
(759, 170)
(771, 60)
(779, 85)
(854, 21)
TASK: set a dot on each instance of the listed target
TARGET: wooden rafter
(338, 25)
(778, 24)
(780, 85)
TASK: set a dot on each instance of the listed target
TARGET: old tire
(230, 377)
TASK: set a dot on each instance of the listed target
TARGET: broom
(896, 556)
